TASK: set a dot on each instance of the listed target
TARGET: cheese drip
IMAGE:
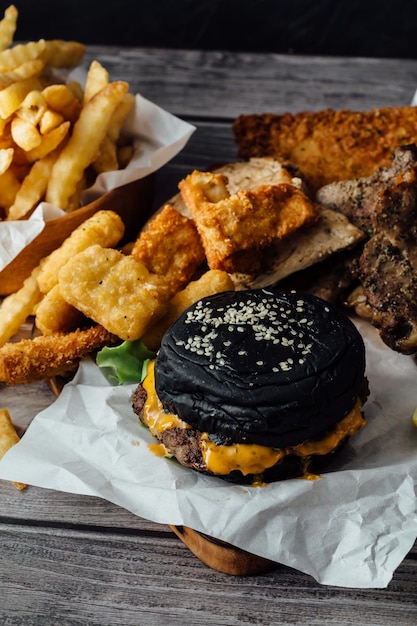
(247, 458)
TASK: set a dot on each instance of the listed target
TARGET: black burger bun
(263, 366)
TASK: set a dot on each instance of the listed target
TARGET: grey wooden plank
(71, 578)
(221, 84)
(53, 508)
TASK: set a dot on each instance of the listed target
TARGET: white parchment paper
(157, 137)
(351, 528)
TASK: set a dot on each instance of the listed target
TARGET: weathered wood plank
(72, 578)
(55, 508)
(223, 84)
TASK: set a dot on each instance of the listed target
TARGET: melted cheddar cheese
(249, 458)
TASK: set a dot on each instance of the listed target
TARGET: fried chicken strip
(328, 145)
(46, 356)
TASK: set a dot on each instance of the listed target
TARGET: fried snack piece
(8, 434)
(61, 53)
(30, 69)
(211, 282)
(18, 306)
(83, 145)
(50, 141)
(114, 290)
(6, 158)
(97, 78)
(21, 53)
(8, 438)
(170, 246)
(104, 227)
(61, 99)
(109, 157)
(44, 357)
(32, 188)
(9, 186)
(12, 96)
(328, 145)
(55, 315)
(234, 228)
(8, 26)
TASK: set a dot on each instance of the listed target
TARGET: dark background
(321, 27)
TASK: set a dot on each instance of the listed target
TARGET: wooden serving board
(133, 202)
(222, 556)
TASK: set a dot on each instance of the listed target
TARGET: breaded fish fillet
(43, 357)
(328, 145)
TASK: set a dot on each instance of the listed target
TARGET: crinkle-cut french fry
(97, 79)
(124, 155)
(6, 158)
(105, 228)
(50, 120)
(30, 69)
(25, 134)
(8, 438)
(211, 282)
(21, 53)
(15, 309)
(9, 186)
(114, 290)
(11, 97)
(50, 141)
(8, 27)
(32, 188)
(8, 434)
(82, 148)
(54, 314)
(46, 356)
(74, 202)
(60, 98)
(107, 160)
(62, 53)
(119, 116)
(32, 108)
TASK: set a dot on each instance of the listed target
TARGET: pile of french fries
(55, 137)
(90, 292)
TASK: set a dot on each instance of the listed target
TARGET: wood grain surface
(67, 560)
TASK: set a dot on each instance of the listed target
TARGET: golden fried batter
(244, 222)
(328, 145)
(170, 246)
(114, 290)
(44, 357)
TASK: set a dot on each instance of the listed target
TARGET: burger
(255, 386)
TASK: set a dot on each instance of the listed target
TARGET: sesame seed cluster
(263, 321)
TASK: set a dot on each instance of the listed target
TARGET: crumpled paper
(351, 528)
(157, 137)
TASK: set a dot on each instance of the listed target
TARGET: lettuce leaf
(126, 363)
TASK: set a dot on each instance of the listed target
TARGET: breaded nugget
(170, 246)
(44, 357)
(55, 315)
(114, 290)
(233, 228)
(104, 227)
(328, 145)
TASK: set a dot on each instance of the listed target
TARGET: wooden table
(70, 560)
